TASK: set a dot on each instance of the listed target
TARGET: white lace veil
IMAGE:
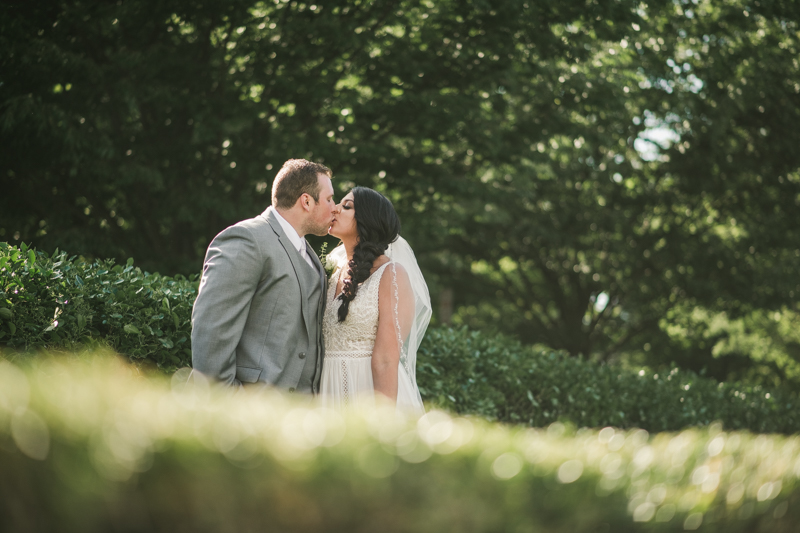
(401, 253)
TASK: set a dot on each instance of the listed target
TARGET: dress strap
(334, 282)
(378, 274)
(382, 267)
(375, 281)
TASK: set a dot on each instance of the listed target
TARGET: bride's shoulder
(395, 266)
(394, 272)
(395, 287)
(379, 262)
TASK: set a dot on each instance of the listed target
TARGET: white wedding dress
(347, 369)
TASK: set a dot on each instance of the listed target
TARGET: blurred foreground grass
(89, 444)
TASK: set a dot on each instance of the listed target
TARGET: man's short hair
(296, 177)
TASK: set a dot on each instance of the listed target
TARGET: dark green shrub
(61, 302)
(499, 378)
(92, 448)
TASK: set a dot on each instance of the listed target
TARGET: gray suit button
(303, 355)
(291, 389)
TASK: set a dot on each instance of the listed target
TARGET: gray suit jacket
(252, 321)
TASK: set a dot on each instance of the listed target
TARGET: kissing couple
(267, 315)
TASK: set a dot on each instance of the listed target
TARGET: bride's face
(344, 219)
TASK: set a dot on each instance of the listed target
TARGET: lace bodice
(355, 337)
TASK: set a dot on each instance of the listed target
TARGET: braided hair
(378, 226)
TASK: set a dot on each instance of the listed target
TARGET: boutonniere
(327, 261)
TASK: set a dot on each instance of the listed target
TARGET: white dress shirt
(297, 241)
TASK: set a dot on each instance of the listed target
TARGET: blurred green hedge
(60, 303)
(87, 446)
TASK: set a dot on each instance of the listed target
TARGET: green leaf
(6, 314)
(532, 399)
(131, 329)
(31, 256)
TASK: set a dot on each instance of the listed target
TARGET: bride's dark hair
(378, 226)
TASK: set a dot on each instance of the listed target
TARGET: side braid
(364, 254)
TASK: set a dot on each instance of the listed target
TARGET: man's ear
(305, 201)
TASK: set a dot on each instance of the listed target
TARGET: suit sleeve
(231, 272)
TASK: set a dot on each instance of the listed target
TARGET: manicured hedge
(497, 377)
(58, 302)
(87, 446)
(61, 302)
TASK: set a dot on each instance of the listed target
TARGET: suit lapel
(322, 275)
(295, 259)
(317, 263)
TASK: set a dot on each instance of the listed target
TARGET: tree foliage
(577, 173)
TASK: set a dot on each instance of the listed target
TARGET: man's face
(320, 214)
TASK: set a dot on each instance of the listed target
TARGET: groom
(258, 314)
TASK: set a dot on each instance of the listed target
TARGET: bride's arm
(395, 316)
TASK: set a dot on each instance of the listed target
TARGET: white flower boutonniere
(328, 262)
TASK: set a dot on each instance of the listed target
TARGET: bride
(377, 309)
